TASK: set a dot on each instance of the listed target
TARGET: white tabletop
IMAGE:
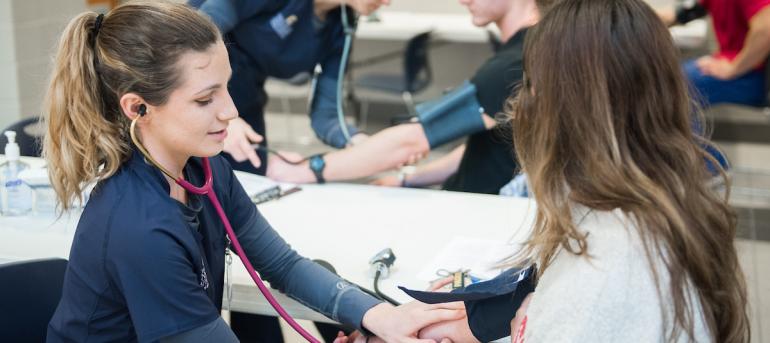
(394, 25)
(339, 223)
(397, 25)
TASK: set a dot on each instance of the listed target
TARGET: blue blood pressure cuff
(490, 305)
(454, 115)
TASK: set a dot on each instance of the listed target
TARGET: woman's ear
(132, 105)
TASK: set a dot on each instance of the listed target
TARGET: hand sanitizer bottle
(15, 196)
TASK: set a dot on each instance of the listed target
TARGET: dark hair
(135, 50)
(605, 120)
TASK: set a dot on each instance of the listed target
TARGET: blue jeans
(748, 89)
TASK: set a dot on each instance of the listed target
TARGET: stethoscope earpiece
(142, 110)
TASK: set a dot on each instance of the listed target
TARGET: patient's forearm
(383, 151)
(437, 171)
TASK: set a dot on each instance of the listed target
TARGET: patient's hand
(388, 181)
(453, 330)
(280, 170)
(366, 7)
(521, 313)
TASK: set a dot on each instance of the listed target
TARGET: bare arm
(757, 45)
(383, 151)
(667, 15)
(433, 173)
(755, 50)
(364, 7)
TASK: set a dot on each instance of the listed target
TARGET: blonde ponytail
(135, 50)
(81, 145)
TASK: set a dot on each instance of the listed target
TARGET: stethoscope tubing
(208, 191)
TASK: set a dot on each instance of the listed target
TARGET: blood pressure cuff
(490, 305)
(686, 14)
(454, 115)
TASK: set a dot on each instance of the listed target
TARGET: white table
(339, 223)
(401, 26)
(395, 25)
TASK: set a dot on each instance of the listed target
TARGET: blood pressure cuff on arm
(490, 305)
(454, 115)
(686, 14)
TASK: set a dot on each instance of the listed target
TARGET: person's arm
(323, 113)
(383, 151)
(216, 331)
(433, 173)
(281, 266)
(363, 7)
(315, 286)
(226, 14)
(756, 47)
(667, 15)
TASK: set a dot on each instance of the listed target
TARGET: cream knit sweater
(610, 297)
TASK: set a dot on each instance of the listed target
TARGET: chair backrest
(27, 137)
(417, 73)
(29, 294)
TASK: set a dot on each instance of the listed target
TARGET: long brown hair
(604, 120)
(136, 49)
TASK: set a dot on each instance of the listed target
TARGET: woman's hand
(238, 142)
(388, 181)
(521, 313)
(279, 170)
(366, 7)
(718, 68)
(402, 323)
(453, 330)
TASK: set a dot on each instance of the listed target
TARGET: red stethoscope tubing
(207, 190)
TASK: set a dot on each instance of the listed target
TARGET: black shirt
(489, 162)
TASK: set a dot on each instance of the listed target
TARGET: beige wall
(28, 33)
(453, 6)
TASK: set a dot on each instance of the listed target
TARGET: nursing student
(138, 103)
(283, 39)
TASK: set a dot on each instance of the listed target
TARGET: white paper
(479, 255)
(254, 184)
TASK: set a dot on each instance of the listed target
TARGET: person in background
(282, 39)
(631, 242)
(734, 74)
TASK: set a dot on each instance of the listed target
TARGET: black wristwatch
(317, 165)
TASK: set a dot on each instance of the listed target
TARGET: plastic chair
(415, 77)
(28, 136)
(30, 293)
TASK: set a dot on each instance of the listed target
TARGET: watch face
(317, 163)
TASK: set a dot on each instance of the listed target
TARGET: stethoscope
(208, 190)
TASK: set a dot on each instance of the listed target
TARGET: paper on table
(255, 184)
(478, 255)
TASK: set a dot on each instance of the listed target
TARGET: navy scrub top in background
(280, 38)
(139, 271)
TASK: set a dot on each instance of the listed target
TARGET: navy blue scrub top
(140, 269)
(280, 38)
